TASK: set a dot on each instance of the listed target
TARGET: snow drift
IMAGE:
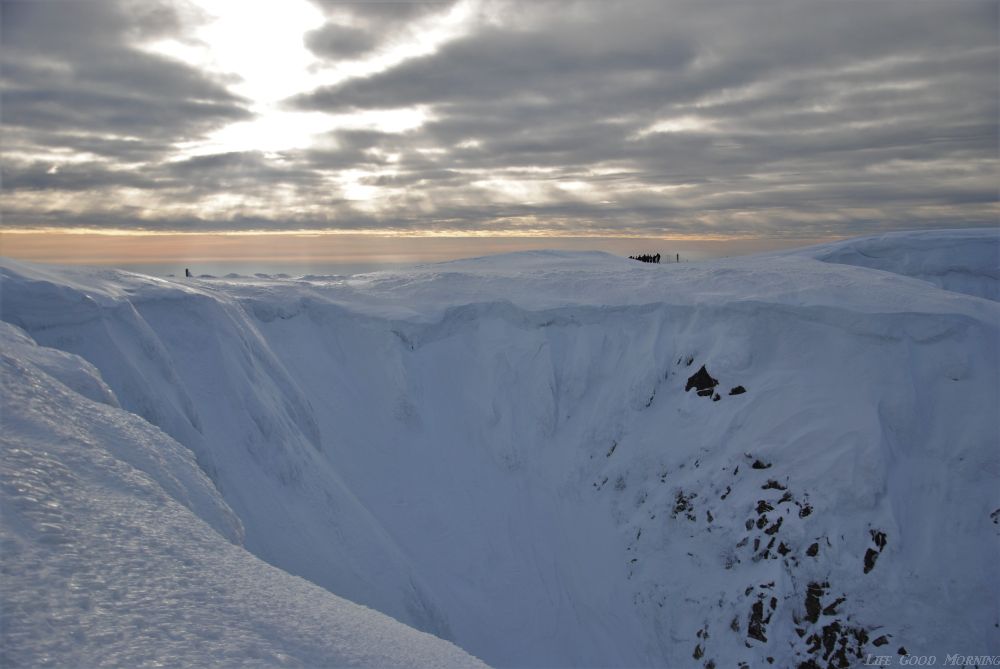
(558, 459)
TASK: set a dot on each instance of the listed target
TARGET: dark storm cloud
(777, 117)
(73, 79)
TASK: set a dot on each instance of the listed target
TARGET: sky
(308, 128)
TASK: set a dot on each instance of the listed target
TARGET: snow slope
(502, 451)
(118, 551)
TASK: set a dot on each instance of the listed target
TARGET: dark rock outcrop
(702, 382)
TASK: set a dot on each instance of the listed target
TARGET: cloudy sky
(773, 119)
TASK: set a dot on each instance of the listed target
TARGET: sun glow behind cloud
(678, 124)
(497, 118)
(261, 47)
(260, 42)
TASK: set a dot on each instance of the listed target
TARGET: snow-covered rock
(502, 451)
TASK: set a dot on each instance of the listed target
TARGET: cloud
(337, 41)
(774, 118)
(383, 13)
(358, 27)
(74, 80)
(84, 176)
(802, 106)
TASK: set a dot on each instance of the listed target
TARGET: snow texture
(502, 452)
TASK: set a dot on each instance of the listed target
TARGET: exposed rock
(870, 556)
(813, 594)
(737, 390)
(682, 504)
(831, 610)
(836, 645)
(702, 382)
(878, 537)
(880, 541)
(830, 634)
(755, 626)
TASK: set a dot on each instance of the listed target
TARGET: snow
(500, 451)
(965, 261)
(118, 551)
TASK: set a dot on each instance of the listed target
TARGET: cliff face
(559, 459)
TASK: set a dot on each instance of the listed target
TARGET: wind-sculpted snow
(566, 459)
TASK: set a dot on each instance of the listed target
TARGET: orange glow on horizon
(110, 247)
(305, 232)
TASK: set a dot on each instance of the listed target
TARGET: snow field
(501, 451)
